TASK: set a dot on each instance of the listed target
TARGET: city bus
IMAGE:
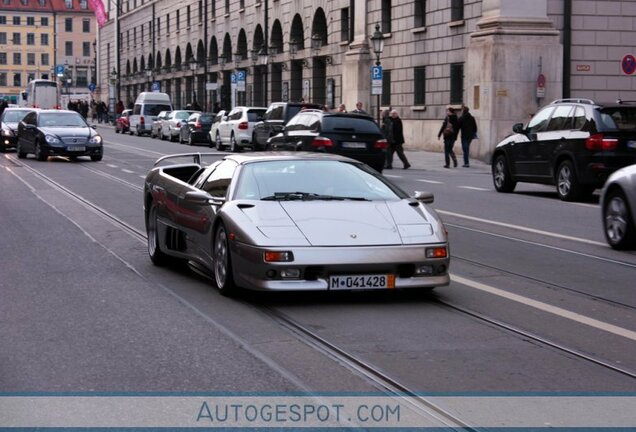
(42, 93)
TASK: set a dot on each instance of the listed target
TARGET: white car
(171, 125)
(235, 130)
(216, 121)
(618, 204)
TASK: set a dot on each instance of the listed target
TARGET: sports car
(293, 221)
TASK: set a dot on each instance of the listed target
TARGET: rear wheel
(117, 129)
(219, 144)
(181, 141)
(39, 153)
(234, 147)
(157, 256)
(618, 221)
(501, 175)
(190, 142)
(223, 262)
(567, 184)
(138, 131)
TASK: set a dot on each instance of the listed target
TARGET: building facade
(503, 58)
(38, 35)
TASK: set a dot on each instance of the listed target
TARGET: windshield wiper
(307, 196)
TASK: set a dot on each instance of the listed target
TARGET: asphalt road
(83, 309)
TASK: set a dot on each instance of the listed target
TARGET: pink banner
(100, 13)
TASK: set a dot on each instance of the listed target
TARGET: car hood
(67, 131)
(342, 223)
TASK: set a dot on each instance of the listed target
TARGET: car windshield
(205, 118)
(255, 115)
(349, 124)
(182, 115)
(328, 180)
(61, 119)
(619, 118)
(14, 116)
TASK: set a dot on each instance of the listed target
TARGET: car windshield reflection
(61, 120)
(14, 116)
(310, 180)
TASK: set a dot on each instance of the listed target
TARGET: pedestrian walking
(449, 130)
(359, 109)
(468, 129)
(397, 141)
(342, 108)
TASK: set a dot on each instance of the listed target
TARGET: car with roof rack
(574, 144)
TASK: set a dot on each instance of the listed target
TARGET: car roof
(45, 111)
(243, 158)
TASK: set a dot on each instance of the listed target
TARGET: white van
(147, 107)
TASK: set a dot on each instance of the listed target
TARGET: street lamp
(377, 42)
(222, 60)
(67, 79)
(192, 63)
(149, 74)
(112, 89)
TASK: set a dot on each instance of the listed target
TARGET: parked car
(352, 135)
(147, 107)
(618, 204)
(216, 121)
(274, 119)
(9, 126)
(235, 131)
(295, 221)
(122, 124)
(196, 128)
(171, 125)
(574, 144)
(155, 129)
(57, 133)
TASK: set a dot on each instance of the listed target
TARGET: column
(356, 70)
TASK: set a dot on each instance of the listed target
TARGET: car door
(201, 216)
(553, 140)
(523, 150)
(28, 132)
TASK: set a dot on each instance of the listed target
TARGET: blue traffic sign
(233, 78)
(92, 87)
(59, 70)
(156, 86)
(240, 75)
(376, 73)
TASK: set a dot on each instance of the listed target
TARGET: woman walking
(449, 129)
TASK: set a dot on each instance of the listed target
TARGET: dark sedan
(47, 133)
(352, 135)
(196, 128)
(9, 123)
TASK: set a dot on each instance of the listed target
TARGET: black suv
(274, 120)
(353, 135)
(574, 144)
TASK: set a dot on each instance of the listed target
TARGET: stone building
(487, 54)
(37, 35)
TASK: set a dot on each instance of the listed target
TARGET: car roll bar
(196, 157)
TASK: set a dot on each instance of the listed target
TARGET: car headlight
(7, 132)
(95, 140)
(52, 139)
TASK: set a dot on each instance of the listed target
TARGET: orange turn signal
(436, 252)
(284, 256)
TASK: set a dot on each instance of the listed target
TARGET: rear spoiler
(196, 157)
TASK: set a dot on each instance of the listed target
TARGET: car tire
(18, 150)
(97, 158)
(157, 256)
(181, 141)
(39, 154)
(568, 186)
(234, 147)
(255, 145)
(116, 130)
(218, 143)
(171, 137)
(501, 177)
(223, 263)
(618, 221)
(161, 135)
(190, 142)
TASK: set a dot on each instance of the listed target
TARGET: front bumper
(317, 264)
(7, 142)
(63, 151)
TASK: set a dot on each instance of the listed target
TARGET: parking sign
(376, 80)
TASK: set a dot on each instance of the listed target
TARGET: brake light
(197, 125)
(178, 124)
(599, 142)
(381, 144)
(142, 120)
(243, 125)
(319, 142)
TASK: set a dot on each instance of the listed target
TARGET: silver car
(171, 125)
(618, 204)
(235, 131)
(293, 221)
(155, 129)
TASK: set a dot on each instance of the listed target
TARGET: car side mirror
(518, 128)
(424, 197)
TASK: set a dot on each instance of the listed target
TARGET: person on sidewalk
(449, 130)
(468, 129)
(359, 109)
(397, 141)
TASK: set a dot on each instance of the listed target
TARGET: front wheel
(501, 175)
(234, 147)
(96, 158)
(618, 221)
(18, 149)
(223, 262)
(39, 153)
(157, 256)
(567, 184)
(219, 144)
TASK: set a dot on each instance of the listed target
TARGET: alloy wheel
(616, 219)
(564, 180)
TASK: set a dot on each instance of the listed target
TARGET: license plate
(352, 282)
(354, 145)
(76, 148)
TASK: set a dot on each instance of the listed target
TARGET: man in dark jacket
(468, 128)
(450, 130)
(396, 141)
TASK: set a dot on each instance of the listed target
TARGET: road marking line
(430, 181)
(127, 171)
(391, 176)
(601, 325)
(521, 228)
(473, 188)
(142, 176)
(112, 166)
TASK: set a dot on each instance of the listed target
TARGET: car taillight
(599, 142)
(178, 124)
(381, 144)
(142, 120)
(197, 125)
(321, 142)
(243, 125)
